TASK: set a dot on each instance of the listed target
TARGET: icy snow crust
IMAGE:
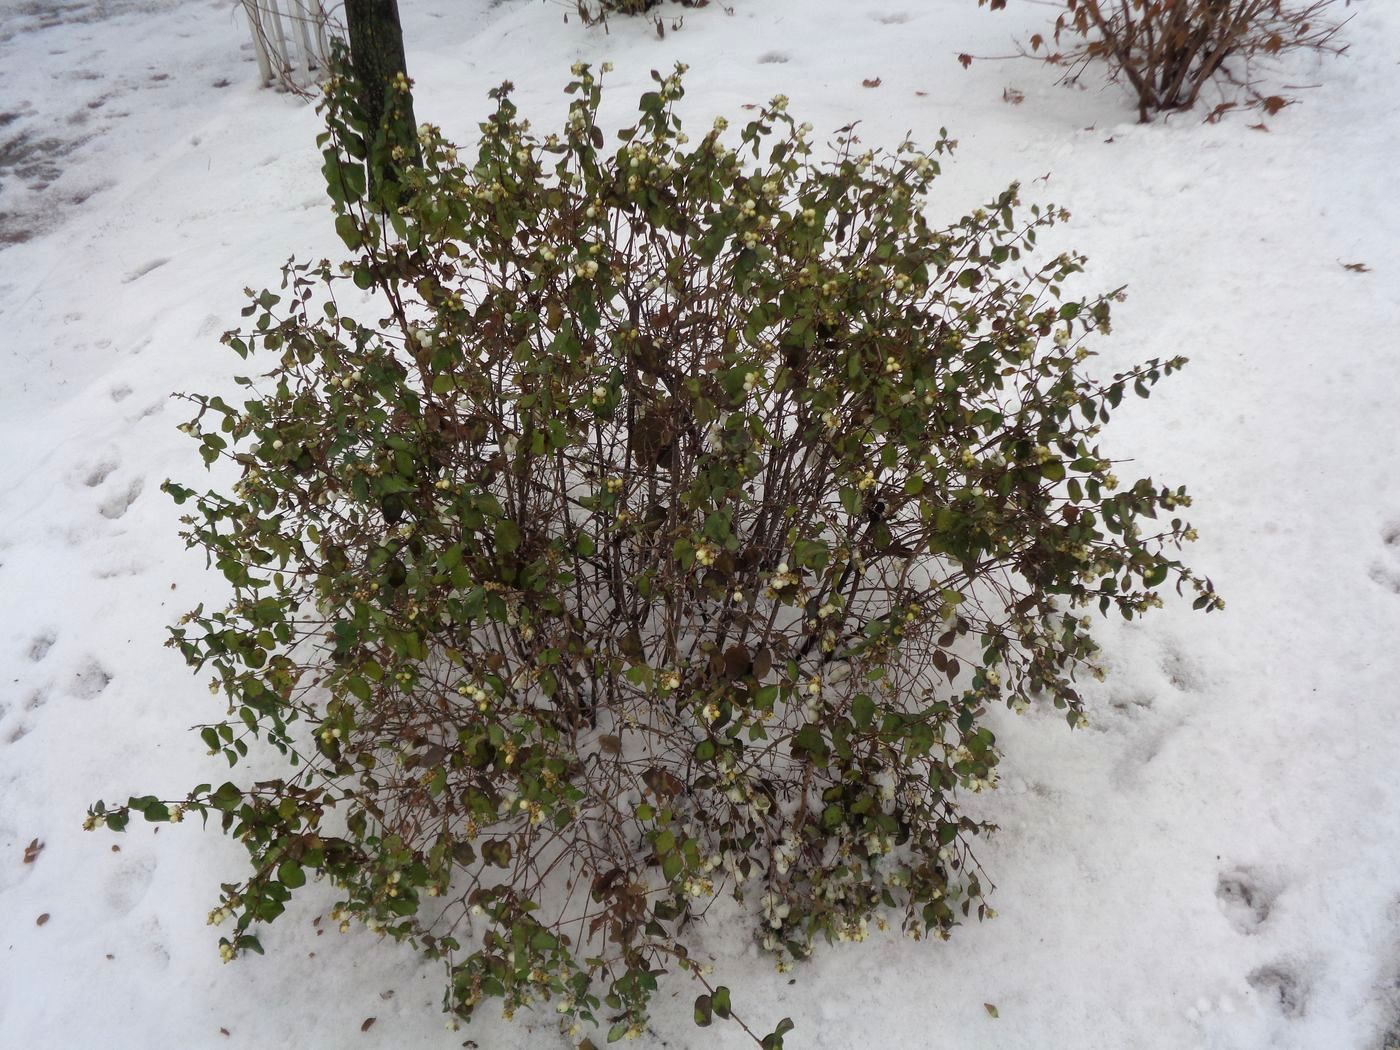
(1214, 863)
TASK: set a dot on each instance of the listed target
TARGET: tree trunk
(377, 59)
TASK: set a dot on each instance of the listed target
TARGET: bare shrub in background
(1168, 51)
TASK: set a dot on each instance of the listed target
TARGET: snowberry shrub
(664, 536)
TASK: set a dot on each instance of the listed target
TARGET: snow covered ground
(1215, 863)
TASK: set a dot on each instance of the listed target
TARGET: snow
(1213, 863)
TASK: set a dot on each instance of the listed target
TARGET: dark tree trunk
(377, 59)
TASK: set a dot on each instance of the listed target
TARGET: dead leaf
(1274, 103)
(368, 1024)
(42, 919)
(965, 59)
(871, 82)
(223, 1031)
(663, 783)
(1357, 267)
(1213, 117)
(922, 94)
(1013, 96)
(32, 851)
(991, 1009)
(1258, 127)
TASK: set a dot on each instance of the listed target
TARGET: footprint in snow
(99, 473)
(35, 700)
(119, 503)
(1282, 986)
(90, 680)
(40, 646)
(128, 884)
(153, 943)
(769, 58)
(1148, 732)
(1246, 898)
(1386, 569)
(1181, 670)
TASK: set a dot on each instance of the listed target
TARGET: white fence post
(289, 60)
(259, 47)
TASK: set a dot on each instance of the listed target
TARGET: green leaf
(291, 875)
(774, 1039)
(863, 711)
(349, 231)
(809, 738)
(226, 798)
(703, 1011)
(507, 536)
(671, 866)
(850, 501)
(720, 1001)
(810, 554)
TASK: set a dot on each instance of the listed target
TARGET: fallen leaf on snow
(1357, 267)
(991, 1009)
(368, 1024)
(42, 919)
(32, 851)
(965, 59)
(870, 82)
